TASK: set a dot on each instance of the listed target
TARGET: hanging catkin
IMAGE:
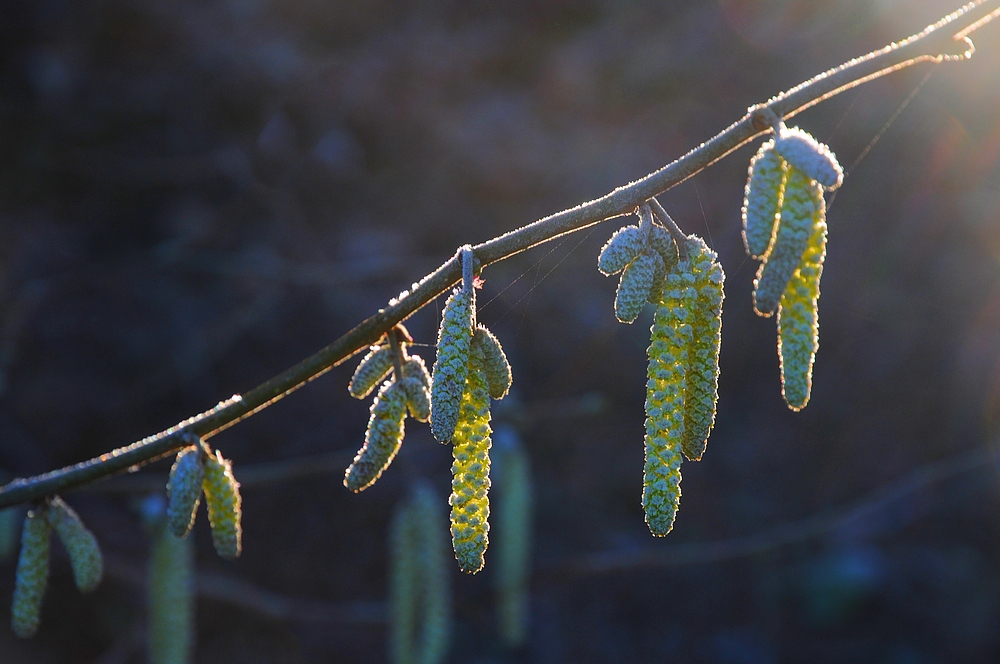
(451, 365)
(170, 598)
(495, 364)
(762, 199)
(222, 498)
(512, 536)
(814, 159)
(382, 439)
(702, 378)
(84, 553)
(9, 520)
(184, 490)
(418, 398)
(801, 200)
(671, 336)
(635, 285)
(370, 372)
(32, 575)
(624, 246)
(470, 504)
(798, 319)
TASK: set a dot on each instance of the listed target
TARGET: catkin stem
(679, 237)
(397, 355)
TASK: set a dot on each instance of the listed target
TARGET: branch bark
(945, 40)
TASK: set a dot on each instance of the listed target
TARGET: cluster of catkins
(784, 226)
(406, 390)
(682, 379)
(33, 564)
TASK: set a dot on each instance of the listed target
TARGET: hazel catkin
(635, 285)
(222, 498)
(621, 249)
(170, 599)
(418, 399)
(184, 490)
(495, 364)
(452, 362)
(370, 372)
(512, 536)
(84, 553)
(382, 439)
(814, 159)
(762, 198)
(32, 575)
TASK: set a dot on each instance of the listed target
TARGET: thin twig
(944, 40)
(680, 239)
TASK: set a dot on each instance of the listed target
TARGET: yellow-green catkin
(184, 490)
(798, 319)
(170, 599)
(662, 243)
(452, 362)
(762, 199)
(470, 503)
(32, 575)
(418, 398)
(420, 590)
(702, 378)
(382, 439)
(636, 283)
(84, 553)
(222, 498)
(671, 335)
(623, 248)
(801, 200)
(370, 372)
(512, 536)
(9, 518)
(498, 376)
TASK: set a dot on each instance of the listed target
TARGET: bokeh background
(196, 194)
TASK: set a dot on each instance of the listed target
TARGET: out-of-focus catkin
(382, 439)
(470, 504)
(222, 498)
(762, 199)
(798, 319)
(452, 362)
(702, 378)
(170, 599)
(802, 198)
(32, 575)
(184, 490)
(512, 536)
(370, 372)
(84, 553)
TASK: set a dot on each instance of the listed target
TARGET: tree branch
(945, 40)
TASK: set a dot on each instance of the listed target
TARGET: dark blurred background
(195, 195)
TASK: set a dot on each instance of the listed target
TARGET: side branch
(945, 40)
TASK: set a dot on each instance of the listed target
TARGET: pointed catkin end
(222, 498)
(382, 438)
(32, 575)
(84, 553)
(620, 250)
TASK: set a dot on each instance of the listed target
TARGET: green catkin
(373, 368)
(84, 554)
(762, 199)
(671, 335)
(623, 248)
(171, 599)
(814, 159)
(702, 378)
(418, 399)
(635, 285)
(420, 591)
(32, 575)
(451, 365)
(512, 536)
(9, 519)
(470, 504)
(414, 367)
(222, 498)
(495, 364)
(382, 439)
(662, 242)
(798, 319)
(184, 490)
(802, 197)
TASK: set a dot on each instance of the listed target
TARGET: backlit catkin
(184, 490)
(635, 285)
(373, 368)
(222, 498)
(382, 439)
(170, 598)
(798, 319)
(671, 335)
(452, 362)
(762, 199)
(32, 575)
(84, 554)
(414, 367)
(623, 248)
(495, 364)
(470, 504)
(660, 241)
(512, 536)
(418, 399)
(702, 378)
(801, 200)
(814, 159)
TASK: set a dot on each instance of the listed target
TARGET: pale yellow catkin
(225, 513)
